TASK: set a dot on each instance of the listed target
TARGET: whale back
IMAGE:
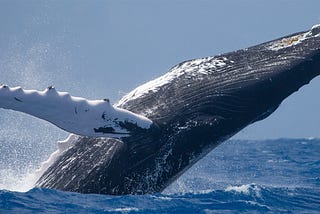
(224, 82)
(197, 105)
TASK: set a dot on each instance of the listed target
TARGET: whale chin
(173, 121)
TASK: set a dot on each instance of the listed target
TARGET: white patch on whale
(294, 40)
(191, 68)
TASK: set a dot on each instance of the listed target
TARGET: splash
(16, 181)
(26, 142)
(245, 189)
(22, 180)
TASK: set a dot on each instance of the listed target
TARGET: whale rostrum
(160, 129)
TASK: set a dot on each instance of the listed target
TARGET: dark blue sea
(269, 176)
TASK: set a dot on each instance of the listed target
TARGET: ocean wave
(248, 197)
(236, 177)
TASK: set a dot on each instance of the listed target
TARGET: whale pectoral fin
(95, 118)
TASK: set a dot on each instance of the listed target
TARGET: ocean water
(269, 176)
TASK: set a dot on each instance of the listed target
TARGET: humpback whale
(160, 129)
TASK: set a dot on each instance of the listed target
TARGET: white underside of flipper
(94, 118)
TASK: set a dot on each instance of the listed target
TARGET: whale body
(196, 106)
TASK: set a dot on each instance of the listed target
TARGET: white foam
(245, 189)
(126, 209)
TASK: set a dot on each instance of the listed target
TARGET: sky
(104, 49)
